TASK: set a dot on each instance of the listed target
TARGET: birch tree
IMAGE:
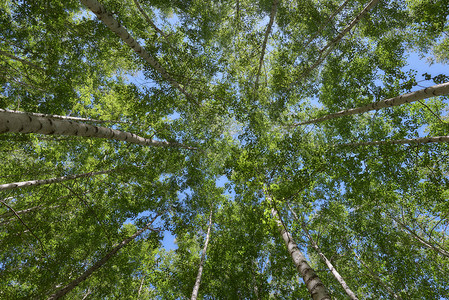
(324, 102)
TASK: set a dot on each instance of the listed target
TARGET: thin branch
(24, 61)
(265, 41)
(329, 47)
(433, 91)
(377, 278)
(431, 111)
(339, 9)
(148, 19)
(60, 293)
(26, 226)
(424, 140)
(421, 240)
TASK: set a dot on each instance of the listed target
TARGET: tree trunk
(436, 90)
(60, 293)
(335, 41)
(424, 140)
(196, 286)
(14, 185)
(60, 117)
(121, 32)
(265, 40)
(313, 283)
(328, 263)
(25, 123)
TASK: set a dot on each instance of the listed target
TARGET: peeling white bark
(25, 123)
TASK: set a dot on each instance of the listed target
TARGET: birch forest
(224, 149)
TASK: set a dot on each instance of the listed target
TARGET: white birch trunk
(60, 293)
(424, 140)
(60, 117)
(337, 39)
(313, 283)
(196, 286)
(328, 263)
(25, 123)
(122, 33)
(436, 90)
(15, 185)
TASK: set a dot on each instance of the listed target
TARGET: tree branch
(436, 90)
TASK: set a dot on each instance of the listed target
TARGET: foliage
(379, 213)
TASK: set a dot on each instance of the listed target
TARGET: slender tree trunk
(436, 90)
(424, 140)
(15, 185)
(140, 287)
(339, 9)
(328, 48)
(421, 240)
(377, 278)
(313, 283)
(196, 286)
(24, 61)
(121, 32)
(25, 123)
(148, 19)
(60, 117)
(60, 293)
(265, 40)
(337, 275)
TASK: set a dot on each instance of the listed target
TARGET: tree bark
(424, 140)
(60, 117)
(328, 48)
(60, 293)
(122, 33)
(313, 283)
(196, 286)
(25, 123)
(337, 275)
(265, 41)
(436, 90)
(15, 185)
